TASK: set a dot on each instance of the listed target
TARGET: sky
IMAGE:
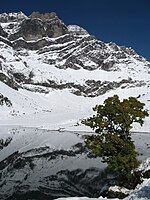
(124, 22)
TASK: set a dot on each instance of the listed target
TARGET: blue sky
(125, 22)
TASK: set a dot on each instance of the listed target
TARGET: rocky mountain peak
(12, 17)
(60, 47)
(37, 26)
(43, 17)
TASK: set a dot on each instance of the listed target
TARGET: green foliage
(116, 116)
(123, 167)
(119, 154)
(113, 122)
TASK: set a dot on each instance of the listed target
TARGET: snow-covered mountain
(51, 75)
(48, 68)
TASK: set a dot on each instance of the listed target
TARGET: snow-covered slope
(62, 72)
(51, 75)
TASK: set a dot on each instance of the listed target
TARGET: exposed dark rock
(55, 28)
(9, 160)
(72, 61)
(64, 38)
(43, 17)
(35, 28)
(21, 78)
(119, 55)
(107, 66)
(91, 88)
(5, 143)
(22, 44)
(30, 29)
(129, 51)
(5, 101)
(5, 41)
(114, 46)
(2, 32)
(8, 81)
(116, 194)
(146, 174)
(53, 25)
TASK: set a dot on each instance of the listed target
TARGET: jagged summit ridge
(12, 17)
(17, 26)
(44, 17)
(34, 27)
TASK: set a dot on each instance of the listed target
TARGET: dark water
(63, 183)
(43, 173)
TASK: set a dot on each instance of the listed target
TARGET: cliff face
(48, 41)
(37, 26)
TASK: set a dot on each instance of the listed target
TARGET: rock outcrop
(38, 26)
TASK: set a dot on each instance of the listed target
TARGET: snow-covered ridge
(77, 30)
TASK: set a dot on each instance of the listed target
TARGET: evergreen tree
(113, 122)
